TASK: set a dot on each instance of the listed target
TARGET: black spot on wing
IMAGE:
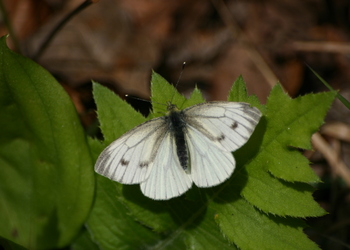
(124, 162)
(221, 137)
(144, 164)
(234, 125)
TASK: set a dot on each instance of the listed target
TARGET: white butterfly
(166, 154)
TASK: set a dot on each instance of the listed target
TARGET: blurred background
(118, 43)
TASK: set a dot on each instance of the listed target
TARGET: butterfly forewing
(227, 124)
(129, 159)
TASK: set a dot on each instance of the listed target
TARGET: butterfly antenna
(182, 70)
(178, 80)
(140, 99)
(136, 98)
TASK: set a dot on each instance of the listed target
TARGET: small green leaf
(196, 97)
(46, 181)
(238, 93)
(163, 94)
(115, 115)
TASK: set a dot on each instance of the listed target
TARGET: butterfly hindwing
(167, 178)
(210, 165)
(129, 159)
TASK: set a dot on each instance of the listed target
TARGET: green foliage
(279, 165)
(46, 181)
(260, 207)
(84, 242)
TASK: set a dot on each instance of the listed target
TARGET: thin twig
(338, 130)
(59, 26)
(322, 47)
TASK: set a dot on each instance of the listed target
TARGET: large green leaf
(46, 181)
(277, 176)
(219, 217)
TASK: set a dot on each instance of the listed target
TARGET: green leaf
(218, 217)
(115, 115)
(168, 94)
(289, 125)
(196, 97)
(46, 181)
(238, 93)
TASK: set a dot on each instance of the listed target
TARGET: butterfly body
(177, 126)
(167, 154)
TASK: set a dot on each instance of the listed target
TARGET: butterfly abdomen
(178, 126)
